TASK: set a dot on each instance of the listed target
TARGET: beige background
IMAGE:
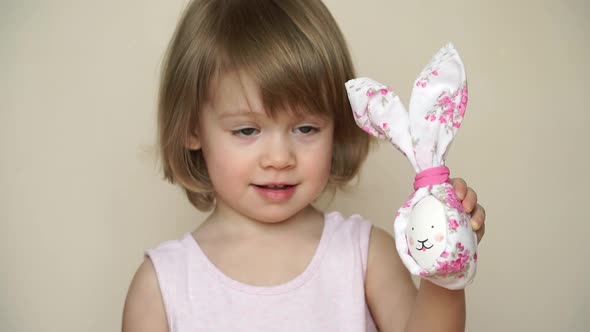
(81, 195)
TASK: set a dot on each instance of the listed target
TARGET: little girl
(254, 124)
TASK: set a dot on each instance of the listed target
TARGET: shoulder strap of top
(364, 238)
(359, 230)
(169, 261)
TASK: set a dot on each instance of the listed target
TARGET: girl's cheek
(438, 237)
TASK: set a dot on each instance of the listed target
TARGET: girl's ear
(193, 142)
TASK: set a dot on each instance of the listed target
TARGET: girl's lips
(276, 193)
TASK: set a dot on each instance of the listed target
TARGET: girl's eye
(245, 131)
(306, 129)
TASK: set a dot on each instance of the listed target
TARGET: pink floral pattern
(383, 92)
(433, 67)
(370, 131)
(453, 224)
(458, 263)
(361, 115)
(423, 80)
(449, 196)
(454, 264)
(450, 108)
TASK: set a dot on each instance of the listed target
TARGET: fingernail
(461, 195)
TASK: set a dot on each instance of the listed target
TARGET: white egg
(427, 231)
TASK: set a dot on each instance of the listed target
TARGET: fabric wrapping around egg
(433, 234)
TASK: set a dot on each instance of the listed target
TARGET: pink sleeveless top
(328, 296)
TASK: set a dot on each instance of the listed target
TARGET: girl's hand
(468, 198)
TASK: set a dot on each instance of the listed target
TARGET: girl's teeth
(277, 187)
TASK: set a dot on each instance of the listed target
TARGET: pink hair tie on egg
(431, 176)
(433, 234)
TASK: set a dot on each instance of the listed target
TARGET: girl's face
(261, 168)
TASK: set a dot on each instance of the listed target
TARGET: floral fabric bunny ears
(433, 235)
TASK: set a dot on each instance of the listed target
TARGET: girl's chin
(280, 214)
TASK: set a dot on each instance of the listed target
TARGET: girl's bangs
(290, 72)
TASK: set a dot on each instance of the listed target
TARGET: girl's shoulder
(389, 288)
(144, 308)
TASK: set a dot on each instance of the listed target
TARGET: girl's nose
(278, 154)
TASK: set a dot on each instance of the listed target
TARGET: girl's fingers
(470, 201)
(467, 195)
(460, 187)
(478, 217)
(480, 232)
(468, 198)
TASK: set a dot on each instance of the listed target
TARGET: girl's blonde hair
(294, 51)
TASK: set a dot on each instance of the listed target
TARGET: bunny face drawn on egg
(427, 232)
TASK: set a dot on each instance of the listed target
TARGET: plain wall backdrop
(82, 196)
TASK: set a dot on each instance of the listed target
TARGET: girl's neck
(231, 223)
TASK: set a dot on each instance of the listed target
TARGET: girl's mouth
(275, 186)
(275, 193)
